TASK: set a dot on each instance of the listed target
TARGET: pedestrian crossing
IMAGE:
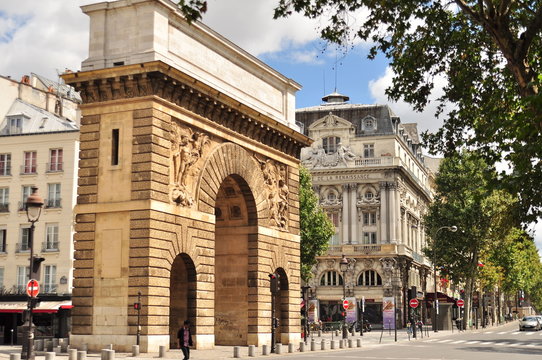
(494, 342)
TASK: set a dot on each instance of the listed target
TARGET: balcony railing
(368, 249)
(5, 171)
(4, 208)
(3, 248)
(48, 246)
(49, 288)
(21, 206)
(20, 247)
(53, 203)
(28, 169)
(382, 161)
(55, 167)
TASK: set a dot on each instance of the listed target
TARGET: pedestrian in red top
(184, 339)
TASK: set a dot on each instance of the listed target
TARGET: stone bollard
(323, 344)
(72, 354)
(49, 356)
(301, 346)
(15, 356)
(135, 350)
(236, 350)
(265, 350)
(290, 348)
(64, 347)
(38, 344)
(278, 349)
(58, 349)
(336, 332)
(109, 347)
(82, 355)
(162, 351)
(313, 345)
(84, 347)
(103, 354)
(350, 343)
(251, 350)
(319, 333)
(56, 342)
(341, 343)
(48, 346)
(333, 344)
(359, 342)
(110, 355)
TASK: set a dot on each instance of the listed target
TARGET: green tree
(316, 228)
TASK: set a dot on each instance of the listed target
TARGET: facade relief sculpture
(275, 177)
(187, 149)
(317, 157)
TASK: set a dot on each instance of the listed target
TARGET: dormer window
(15, 125)
(330, 144)
(368, 124)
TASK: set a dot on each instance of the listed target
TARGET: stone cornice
(159, 79)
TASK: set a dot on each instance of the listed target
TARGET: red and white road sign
(33, 288)
(345, 304)
(460, 303)
(414, 303)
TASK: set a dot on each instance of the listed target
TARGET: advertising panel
(388, 312)
(351, 312)
(313, 311)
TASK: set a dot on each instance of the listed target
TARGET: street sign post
(32, 288)
(414, 303)
(460, 303)
(345, 304)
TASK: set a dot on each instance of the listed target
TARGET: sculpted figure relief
(187, 148)
(275, 176)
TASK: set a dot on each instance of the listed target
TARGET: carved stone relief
(275, 177)
(187, 148)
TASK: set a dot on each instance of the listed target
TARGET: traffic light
(412, 293)
(274, 283)
(137, 306)
(36, 265)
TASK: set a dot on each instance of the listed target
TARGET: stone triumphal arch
(188, 185)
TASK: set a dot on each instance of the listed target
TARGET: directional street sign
(414, 303)
(32, 288)
(460, 303)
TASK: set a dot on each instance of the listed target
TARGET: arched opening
(236, 220)
(182, 295)
(281, 307)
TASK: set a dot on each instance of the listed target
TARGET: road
(504, 342)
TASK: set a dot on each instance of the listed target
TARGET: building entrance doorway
(182, 296)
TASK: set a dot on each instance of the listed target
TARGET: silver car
(529, 323)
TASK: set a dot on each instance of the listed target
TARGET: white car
(529, 323)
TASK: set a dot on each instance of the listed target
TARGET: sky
(48, 36)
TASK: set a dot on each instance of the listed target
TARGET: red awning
(43, 307)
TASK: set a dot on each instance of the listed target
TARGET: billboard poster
(313, 311)
(388, 312)
(351, 312)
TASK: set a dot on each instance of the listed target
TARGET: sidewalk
(371, 339)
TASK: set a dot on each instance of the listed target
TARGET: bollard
(72, 354)
(319, 333)
(15, 356)
(82, 355)
(48, 345)
(236, 350)
(84, 347)
(290, 348)
(49, 356)
(350, 343)
(109, 347)
(64, 347)
(333, 344)
(301, 346)
(265, 350)
(103, 354)
(313, 345)
(162, 351)
(38, 344)
(251, 350)
(55, 342)
(341, 343)
(58, 349)
(110, 355)
(336, 332)
(135, 350)
(359, 342)
(278, 349)
(323, 345)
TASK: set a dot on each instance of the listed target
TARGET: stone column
(353, 213)
(384, 235)
(403, 227)
(392, 208)
(345, 216)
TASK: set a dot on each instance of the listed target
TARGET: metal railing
(368, 249)
(20, 247)
(3, 248)
(5, 171)
(49, 246)
(49, 288)
(4, 207)
(55, 167)
(53, 203)
(29, 169)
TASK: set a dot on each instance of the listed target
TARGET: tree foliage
(316, 228)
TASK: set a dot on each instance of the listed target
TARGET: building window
(369, 237)
(115, 147)
(53, 199)
(51, 237)
(30, 159)
(334, 239)
(25, 191)
(370, 278)
(3, 237)
(369, 124)
(49, 280)
(331, 278)
(331, 196)
(334, 217)
(330, 144)
(369, 150)
(4, 199)
(24, 244)
(369, 195)
(15, 126)
(369, 218)
(22, 278)
(55, 160)
(5, 164)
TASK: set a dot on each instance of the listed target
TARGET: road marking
(445, 341)
(502, 333)
(516, 333)
(472, 342)
(517, 344)
(531, 345)
(488, 332)
(458, 342)
(529, 334)
(502, 344)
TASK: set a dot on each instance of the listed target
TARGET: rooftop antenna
(324, 78)
(335, 68)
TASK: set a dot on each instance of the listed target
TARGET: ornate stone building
(375, 184)
(188, 185)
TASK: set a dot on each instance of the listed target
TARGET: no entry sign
(32, 288)
(414, 303)
(345, 304)
(460, 303)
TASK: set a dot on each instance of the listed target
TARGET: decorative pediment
(331, 121)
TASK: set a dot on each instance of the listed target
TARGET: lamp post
(344, 268)
(33, 207)
(304, 291)
(435, 299)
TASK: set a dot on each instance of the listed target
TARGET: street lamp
(33, 207)
(344, 268)
(435, 300)
(304, 291)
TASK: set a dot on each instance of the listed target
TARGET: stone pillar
(392, 208)
(384, 235)
(403, 227)
(345, 216)
(353, 214)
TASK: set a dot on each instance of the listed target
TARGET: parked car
(529, 323)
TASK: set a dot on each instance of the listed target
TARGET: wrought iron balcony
(55, 167)
(53, 203)
(4, 208)
(48, 246)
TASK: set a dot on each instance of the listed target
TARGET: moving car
(529, 323)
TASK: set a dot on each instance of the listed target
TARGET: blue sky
(49, 36)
